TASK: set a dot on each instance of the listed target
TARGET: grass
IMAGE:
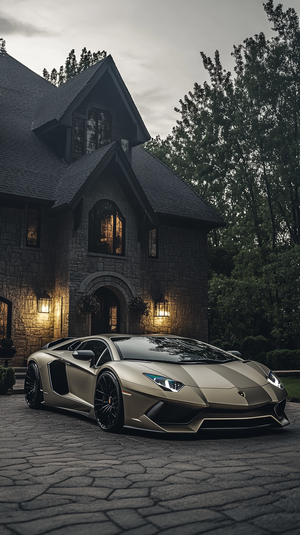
(292, 385)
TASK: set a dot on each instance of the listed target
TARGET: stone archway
(119, 285)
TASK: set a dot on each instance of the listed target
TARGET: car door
(81, 374)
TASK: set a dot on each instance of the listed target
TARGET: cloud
(11, 26)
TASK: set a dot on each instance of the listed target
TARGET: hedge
(283, 359)
(260, 349)
(7, 379)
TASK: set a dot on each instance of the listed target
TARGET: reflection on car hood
(237, 374)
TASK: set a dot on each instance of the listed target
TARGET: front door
(108, 319)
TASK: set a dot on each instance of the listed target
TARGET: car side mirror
(83, 354)
(235, 353)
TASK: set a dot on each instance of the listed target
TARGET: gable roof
(30, 169)
(81, 173)
(68, 96)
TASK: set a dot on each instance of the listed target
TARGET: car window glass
(105, 357)
(165, 349)
(94, 345)
(67, 347)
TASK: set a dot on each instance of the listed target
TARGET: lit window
(5, 318)
(106, 229)
(33, 227)
(153, 243)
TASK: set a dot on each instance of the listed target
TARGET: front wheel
(108, 405)
(32, 386)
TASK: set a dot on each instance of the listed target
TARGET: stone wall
(65, 268)
(25, 273)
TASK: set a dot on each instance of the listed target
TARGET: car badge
(242, 394)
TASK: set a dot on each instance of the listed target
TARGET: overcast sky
(156, 44)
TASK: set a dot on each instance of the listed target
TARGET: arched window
(106, 229)
(5, 318)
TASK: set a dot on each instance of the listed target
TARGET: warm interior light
(162, 307)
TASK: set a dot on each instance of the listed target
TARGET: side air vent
(58, 377)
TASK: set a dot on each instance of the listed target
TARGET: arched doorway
(108, 319)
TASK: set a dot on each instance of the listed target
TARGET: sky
(155, 44)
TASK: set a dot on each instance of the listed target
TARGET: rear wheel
(108, 405)
(32, 386)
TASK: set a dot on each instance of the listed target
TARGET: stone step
(20, 374)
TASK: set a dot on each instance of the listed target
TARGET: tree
(72, 67)
(237, 143)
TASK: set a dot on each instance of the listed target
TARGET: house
(86, 210)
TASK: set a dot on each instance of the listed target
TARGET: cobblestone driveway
(61, 474)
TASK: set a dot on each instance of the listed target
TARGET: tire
(108, 404)
(32, 386)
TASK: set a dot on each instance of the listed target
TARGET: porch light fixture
(44, 303)
(162, 307)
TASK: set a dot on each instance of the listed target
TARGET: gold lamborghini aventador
(155, 382)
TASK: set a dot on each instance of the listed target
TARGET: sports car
(159, 383)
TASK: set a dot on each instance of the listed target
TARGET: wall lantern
(44, 303)
(162, 307)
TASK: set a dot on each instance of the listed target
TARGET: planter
(6, 354)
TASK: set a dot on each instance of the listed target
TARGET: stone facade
(65, 268)
(76, 145)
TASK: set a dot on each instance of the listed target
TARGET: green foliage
(7, 379)
(253, 347)
(237, 143)
(88, 304)
(292, 386)
(283, 359)
(73, 67)
(138, 307)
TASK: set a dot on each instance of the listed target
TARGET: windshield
(165, 349)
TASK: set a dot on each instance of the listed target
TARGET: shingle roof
(52, 107)
(167, 193)
(73, 179)
(30, 168)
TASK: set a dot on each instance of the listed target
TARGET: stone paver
(60, 475)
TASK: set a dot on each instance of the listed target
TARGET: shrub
(138, 307)
(283, 359)
(255, 347)
(7, 379)
(88, 304)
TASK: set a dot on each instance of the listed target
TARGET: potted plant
(7, 349)
(87, 304)
(138, 307)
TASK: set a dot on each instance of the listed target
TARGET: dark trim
(92, 232)
(186, 222)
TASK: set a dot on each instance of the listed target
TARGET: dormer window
(92, 131)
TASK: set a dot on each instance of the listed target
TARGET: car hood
(235, 374)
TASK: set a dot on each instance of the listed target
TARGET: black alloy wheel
(32, 386)
(109, 403)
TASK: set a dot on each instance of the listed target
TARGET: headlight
(165, 382)
(273, 379)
